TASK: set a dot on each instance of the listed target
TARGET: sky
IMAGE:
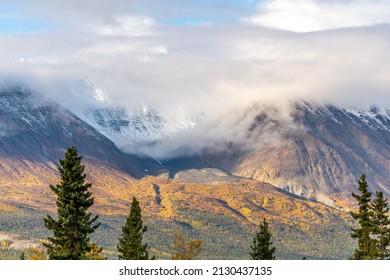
(198, 58)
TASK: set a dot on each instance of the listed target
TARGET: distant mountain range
(320, 157)
(215, 193)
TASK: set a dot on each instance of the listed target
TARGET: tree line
(74, 225)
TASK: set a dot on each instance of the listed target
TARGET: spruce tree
(74, 224)
(262, 248)
(130, 245)
(381, 225)
(366, 249)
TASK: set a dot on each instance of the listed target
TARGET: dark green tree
(366, 245)
(262, 248)
(74, 224)
(130, 245)
(381, 225)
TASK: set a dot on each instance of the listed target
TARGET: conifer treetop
(262, 248)
(130, 245)
(74, 224)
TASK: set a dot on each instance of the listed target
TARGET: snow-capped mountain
(139, 128)
(374, 117)
(130, 129)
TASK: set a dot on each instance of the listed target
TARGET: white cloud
(125, 25)
(208, 69)
(205, 72)
(314, 15)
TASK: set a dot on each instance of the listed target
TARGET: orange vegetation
(247, 200)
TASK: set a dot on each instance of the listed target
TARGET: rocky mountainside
(34, 129)
(322, 157)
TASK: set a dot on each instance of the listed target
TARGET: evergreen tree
(381, 224)
(186, 249)
(71, 231)
(366, 249)
(262, 248)
(130, 245)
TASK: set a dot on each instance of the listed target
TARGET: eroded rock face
(325, 155)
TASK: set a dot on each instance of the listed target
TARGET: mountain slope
(36, 129)
(323, 157)
(225, 215)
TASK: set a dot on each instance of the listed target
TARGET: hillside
(220, 214)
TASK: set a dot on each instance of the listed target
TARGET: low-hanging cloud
(205, 73)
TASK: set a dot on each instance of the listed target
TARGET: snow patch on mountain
(133, 130)
(20, 102)
(374, 117)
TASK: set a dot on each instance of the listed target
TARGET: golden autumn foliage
(35, 254)
(186, 249)
(4, 244)
(197, 205)
(95, 253)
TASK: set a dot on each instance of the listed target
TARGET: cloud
(106, 15)
(205, 73)
(200, 67)
(315, 15)
(242, 128)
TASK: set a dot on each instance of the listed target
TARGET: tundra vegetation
(74, 233)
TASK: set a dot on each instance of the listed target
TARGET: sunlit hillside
(223, 214)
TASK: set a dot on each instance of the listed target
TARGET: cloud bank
(267, 56)
(315, 15)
